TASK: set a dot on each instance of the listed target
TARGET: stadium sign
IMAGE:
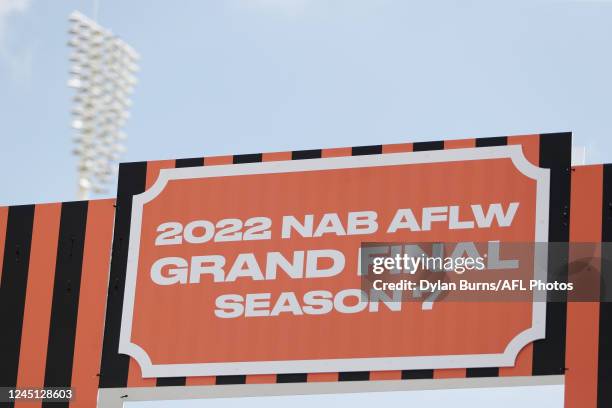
(253, 268)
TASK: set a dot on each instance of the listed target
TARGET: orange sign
(254, 268)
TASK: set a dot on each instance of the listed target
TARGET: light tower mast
(102, 72)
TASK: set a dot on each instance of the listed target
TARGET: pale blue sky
(243, 76)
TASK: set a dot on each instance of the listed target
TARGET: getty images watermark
(486, 271)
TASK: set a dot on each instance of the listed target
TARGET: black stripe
(425, 146)
(306, 154)
(491, 141)
(171, 381)
(114, 366)
(365, 150)
(230, 379)
(13, 289)
(354, 376)
(247, 158)
(606, 217)
(482, 372)
(555, 154)
(65, 303)
(604, 371)
(193, 162)
(291, 378)
(417, 374)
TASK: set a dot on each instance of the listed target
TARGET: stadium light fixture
(103, 74)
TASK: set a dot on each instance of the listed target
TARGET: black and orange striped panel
(55, 263)
(544, 357)
(588, 381)
(57, 255)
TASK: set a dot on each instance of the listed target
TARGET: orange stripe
(397, 148)
(277, 156)
(581, 354)
(459, 144)
(207, 380)
(92, 302)
(153, 168)
(39, 295)
(322, 377)
(450, 372)
(531, 146)
(582, 333)
(586, 198)
(337, 152)
(217, 160)
(3, 219)
(385, 375)
(261, 379)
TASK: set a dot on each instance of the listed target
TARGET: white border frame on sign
(505, 359)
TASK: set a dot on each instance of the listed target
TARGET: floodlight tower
(102, 72)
